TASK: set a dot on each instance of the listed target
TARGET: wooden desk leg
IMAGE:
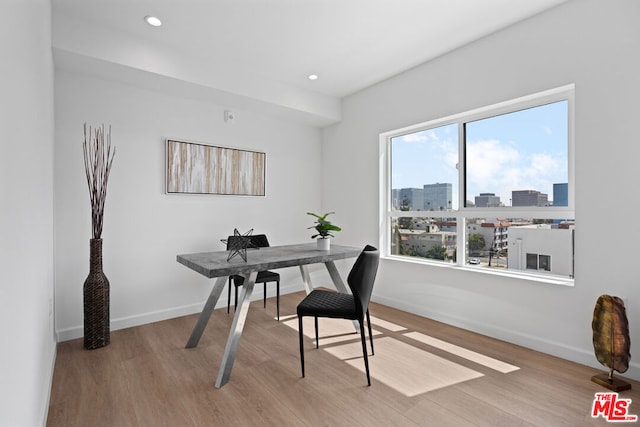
(306, 279)
(236, 330)
(206, 312)
(339, 284)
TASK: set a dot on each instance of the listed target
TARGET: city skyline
(402, 192)
(523, 150)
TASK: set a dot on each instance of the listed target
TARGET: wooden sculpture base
(614, 384)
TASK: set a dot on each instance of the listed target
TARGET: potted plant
(324, 229)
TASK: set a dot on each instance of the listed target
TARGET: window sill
(529, 277)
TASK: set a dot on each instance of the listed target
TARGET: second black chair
(264, 277)
(321, 303)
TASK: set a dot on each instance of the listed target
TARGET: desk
(215, 265)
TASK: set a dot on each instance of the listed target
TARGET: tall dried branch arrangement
(98, 158)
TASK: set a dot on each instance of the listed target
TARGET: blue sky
(524, 150)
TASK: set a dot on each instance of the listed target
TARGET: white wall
(590, 43)
(27, 353)
(144, 229)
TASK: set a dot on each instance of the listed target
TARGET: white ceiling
(258, 46)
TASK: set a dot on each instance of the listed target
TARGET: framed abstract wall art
(195, 168)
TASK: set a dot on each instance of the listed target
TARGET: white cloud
(497, 167)
(431, 138)
(415, 137)
(488, 159)
(451, 158)
(542, 165)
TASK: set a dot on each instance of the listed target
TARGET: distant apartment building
(561, 194)
(541, 248)
(487, 200)
(421, 241)
(495, 233)
(437, 197)
(529, 198)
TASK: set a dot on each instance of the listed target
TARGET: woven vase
(96, 300)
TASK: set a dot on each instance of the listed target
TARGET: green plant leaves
(323, 226)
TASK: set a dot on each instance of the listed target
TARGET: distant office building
(433, 197)
(487, 200)
(411, 197)
(395, 194)
(529, 198)
(437, 197)
(561, 194)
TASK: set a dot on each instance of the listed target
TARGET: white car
(474, 261)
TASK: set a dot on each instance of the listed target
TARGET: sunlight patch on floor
(330, 331)
(403, 367)
(406, 368)
(472, 356)
(387, 325)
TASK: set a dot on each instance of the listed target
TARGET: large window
(490, 189)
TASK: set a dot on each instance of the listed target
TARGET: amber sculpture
(611, 341)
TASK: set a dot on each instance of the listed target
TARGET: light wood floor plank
(146, 377)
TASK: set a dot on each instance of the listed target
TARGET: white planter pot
(324, 244)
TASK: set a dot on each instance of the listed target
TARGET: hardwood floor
(424, 373)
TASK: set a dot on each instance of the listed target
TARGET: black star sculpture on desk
(238, 244)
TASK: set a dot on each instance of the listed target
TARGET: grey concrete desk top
(215, 264)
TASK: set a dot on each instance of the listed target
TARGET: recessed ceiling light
(313, 77)
(153, 21)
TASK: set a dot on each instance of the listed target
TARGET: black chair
(264, 277)
(324, 303)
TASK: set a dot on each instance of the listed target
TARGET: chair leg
(278, 299)
(370, 334)
(229, 296)
(316, 324)
(264, 299)
(364, 351)
(235, 301)
(301, 344)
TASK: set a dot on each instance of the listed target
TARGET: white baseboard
(159, 315)
(574, 354)
(579, 355)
